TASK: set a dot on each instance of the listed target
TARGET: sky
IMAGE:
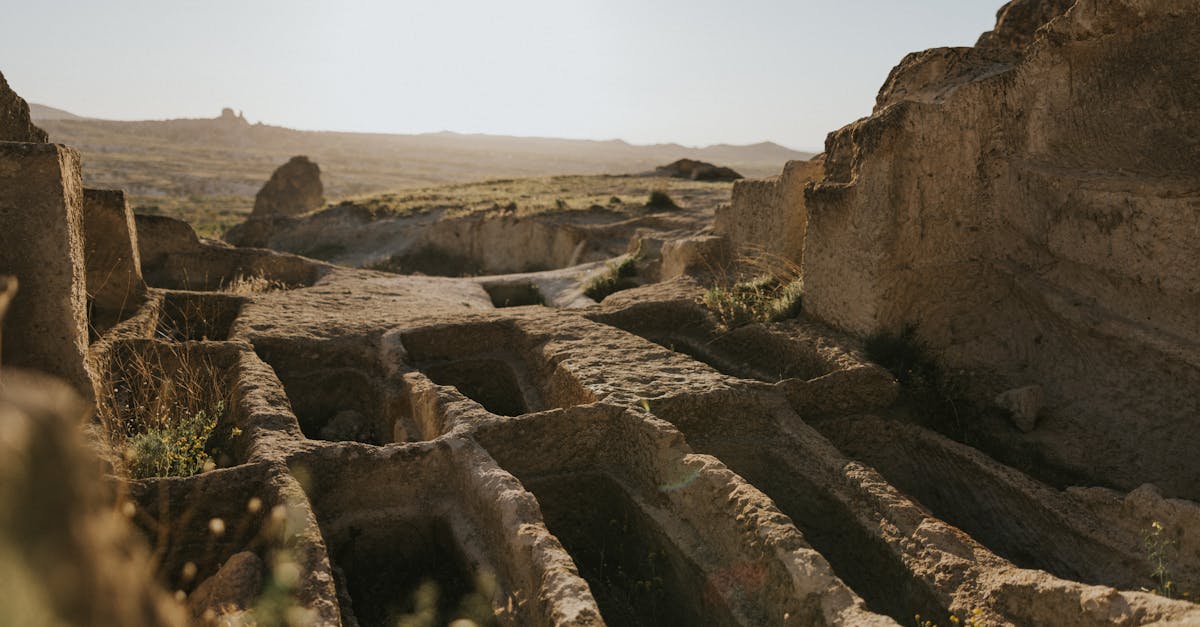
(695, 72)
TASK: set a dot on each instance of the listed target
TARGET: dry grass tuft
(252, 284)
(764, 288)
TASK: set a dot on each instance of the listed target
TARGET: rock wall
(769, 214)
(114, 269)
(41, 243)
(1035, 213)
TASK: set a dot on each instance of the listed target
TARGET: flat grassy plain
(207, 171)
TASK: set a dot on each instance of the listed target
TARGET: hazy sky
(689, 71)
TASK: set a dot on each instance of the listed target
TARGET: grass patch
(765, 288)
(762, 299)
(616, 277)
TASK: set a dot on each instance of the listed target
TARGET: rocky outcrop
(696, 171)
(15, 125)
(1032, 209)
(294, 188)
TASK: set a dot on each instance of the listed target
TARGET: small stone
(1023, 405)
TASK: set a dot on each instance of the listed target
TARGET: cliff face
(1035, 212)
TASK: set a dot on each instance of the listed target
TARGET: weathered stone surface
(1023, 404)
(41, 243)
(1018, 21)
(769, 215)
(698, 253)
(294, 188)
(697, 171)
(1028, 214)
(15, 125)
(114, 267)
(174, 257)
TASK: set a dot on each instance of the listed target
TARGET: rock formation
(15, 125)
(696, 171)
(293, 189)
(1031, 209)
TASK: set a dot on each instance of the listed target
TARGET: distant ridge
(41, 112)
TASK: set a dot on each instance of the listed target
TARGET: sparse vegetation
(616, 277)
(765, 288)
(762, 299)
(1156, 552)
(164, 410)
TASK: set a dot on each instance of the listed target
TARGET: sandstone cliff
(1034, 210)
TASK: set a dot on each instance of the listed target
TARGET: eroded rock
(15, 124)
(1024, 212)
(41, 243)
(294, 188)
(697, 171)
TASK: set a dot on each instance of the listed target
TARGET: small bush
(661, 200)
(618, 276)
(935, 398)
(178, 449)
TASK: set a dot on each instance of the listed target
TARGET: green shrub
(661, 200)
(618, 276)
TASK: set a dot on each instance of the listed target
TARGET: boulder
(293, 189)
(1023, 405)
(15, 124)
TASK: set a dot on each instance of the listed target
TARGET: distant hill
(40, 113)
(210, 169)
